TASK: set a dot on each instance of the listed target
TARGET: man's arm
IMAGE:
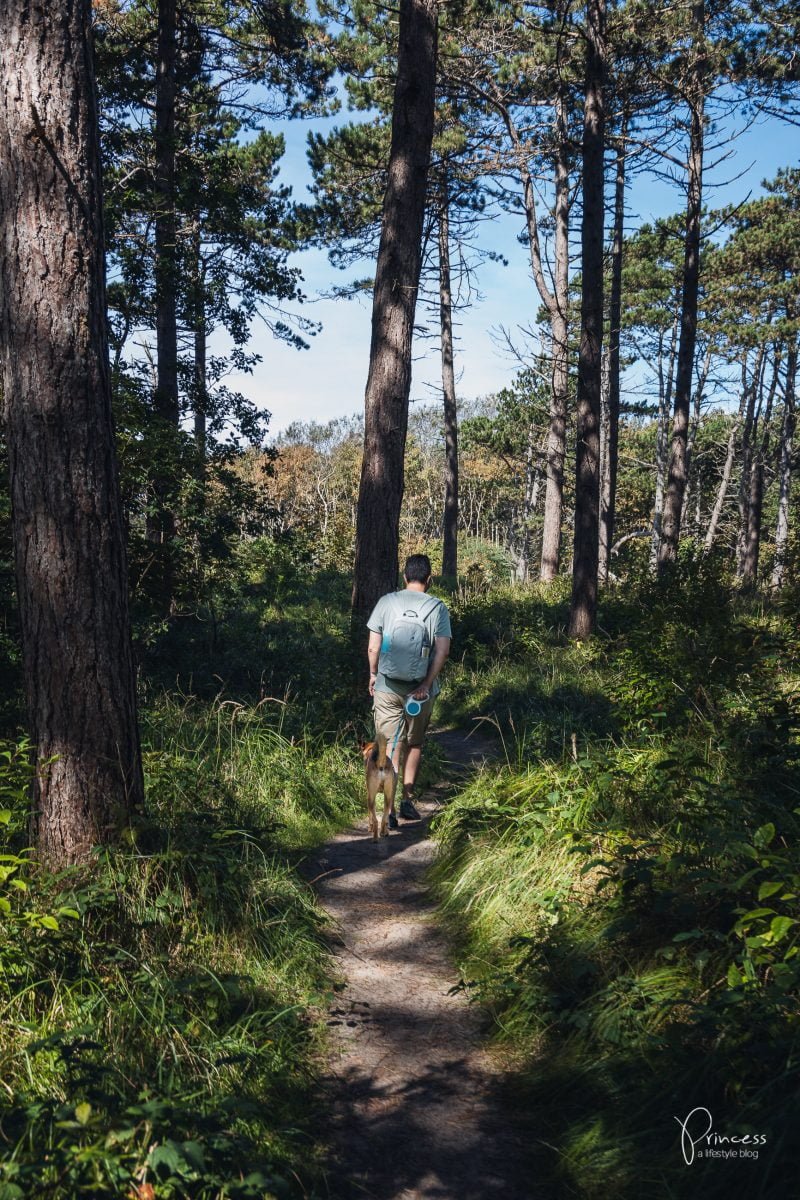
(441, 650)
(373, 654)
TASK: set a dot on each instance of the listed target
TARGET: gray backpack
(406, 644)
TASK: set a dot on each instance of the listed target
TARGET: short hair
(417, 568)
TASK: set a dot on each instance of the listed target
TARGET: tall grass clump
(624, 888)
(157, 1036)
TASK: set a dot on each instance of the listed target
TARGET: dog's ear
(367, 748)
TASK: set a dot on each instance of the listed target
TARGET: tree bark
(785, 469)
(161, 520)
(678, 467)
(559, 336)
(604, 548)
(697, 406)
(67, 517)
(583, 608)
(450, 515)
(752, 549)
(748, 435)
(727, 471)
(200, 396)
(394, 302)
(611, 440)
(557, 305)
(533, 479)
(200, 381)
(662, 438)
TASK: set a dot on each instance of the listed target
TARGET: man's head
(417, 569)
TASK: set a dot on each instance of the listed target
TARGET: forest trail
(417, 1102)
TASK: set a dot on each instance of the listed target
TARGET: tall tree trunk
(68, 533)
(727, 471)
(450, 515)
(559, 337)
(583, 608)
(697, 406)
(604, 547)
(752, 550)
(676, 482)
(785, 468)
(200, 396)
(748, 436)
(394, 302)
(557, 305)
(608, 509)
(161, 521)
(662, 438)
(533, 480)
(200, 380)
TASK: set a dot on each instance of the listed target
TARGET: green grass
(623, 890)
(158, 1006)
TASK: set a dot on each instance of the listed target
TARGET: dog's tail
(381, 751)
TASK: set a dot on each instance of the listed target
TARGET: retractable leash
(413, 707)
(400, 725)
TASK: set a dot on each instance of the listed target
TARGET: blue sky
(328, 380)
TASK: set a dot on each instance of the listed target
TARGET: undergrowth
(283, 638)
(624, 888)
(157, 1036)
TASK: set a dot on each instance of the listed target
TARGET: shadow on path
(417, 1105)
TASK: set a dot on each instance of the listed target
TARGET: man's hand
(441, 649)
(373, 651)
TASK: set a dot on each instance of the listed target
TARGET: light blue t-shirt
(437, 622)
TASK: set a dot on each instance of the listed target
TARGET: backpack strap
(396, 606)
(426, 612)
(435, 601)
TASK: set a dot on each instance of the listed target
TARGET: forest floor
(420, 1108)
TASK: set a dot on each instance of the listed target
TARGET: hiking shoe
(392, 822)
(408, 812)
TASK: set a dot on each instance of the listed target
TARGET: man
(409, 641)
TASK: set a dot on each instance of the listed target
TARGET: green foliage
(282, 638)
(624, 890)
(754, 276)
(236, 67)
(157, 1004)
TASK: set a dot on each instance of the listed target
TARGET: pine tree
(68, 530)
(200, 235)
(394, 303)
(583, 607)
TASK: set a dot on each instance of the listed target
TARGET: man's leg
(389, 714)
(417, 727)
(408, 810)
(411, 768)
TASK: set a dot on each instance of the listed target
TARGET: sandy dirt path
(417, 1103)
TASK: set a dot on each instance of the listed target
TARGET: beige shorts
(389, 710)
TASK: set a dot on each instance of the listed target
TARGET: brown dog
(381, 777)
